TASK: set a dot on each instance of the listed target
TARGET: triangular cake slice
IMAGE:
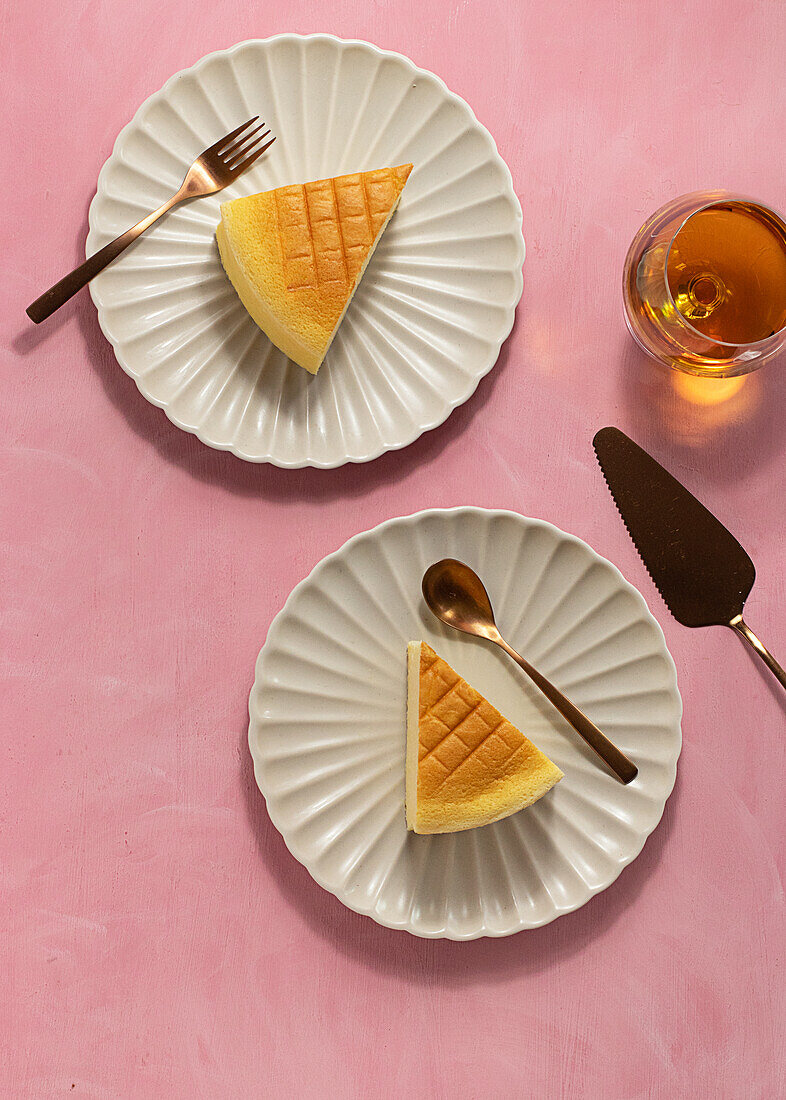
(466, 764)
(295, 255)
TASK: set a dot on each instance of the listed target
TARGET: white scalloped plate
(433, 308)
(327, 729)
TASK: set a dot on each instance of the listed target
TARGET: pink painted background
(158, 941)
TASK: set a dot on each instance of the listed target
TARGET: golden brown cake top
(465, 743)
(327, 227)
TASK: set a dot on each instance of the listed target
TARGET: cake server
(699, 568)
(213, 170)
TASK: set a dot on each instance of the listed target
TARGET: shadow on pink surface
(422, 961)
(31, 336)
(247, 478)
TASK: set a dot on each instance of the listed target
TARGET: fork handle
(745, 632)
(624, 769)
(67, 287)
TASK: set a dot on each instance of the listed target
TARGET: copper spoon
(456, 595)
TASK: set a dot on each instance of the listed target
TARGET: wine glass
(705, 284)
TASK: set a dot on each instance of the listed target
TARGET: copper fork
(213, 170)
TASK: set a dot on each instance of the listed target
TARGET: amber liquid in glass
(705, 284)
(726, 271)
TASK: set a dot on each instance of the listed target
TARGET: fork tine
(231, 150)
(242, 150)
(224, 141)
(238, 168)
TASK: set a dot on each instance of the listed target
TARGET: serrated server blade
(699, 568)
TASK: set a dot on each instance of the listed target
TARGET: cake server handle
(744, 631)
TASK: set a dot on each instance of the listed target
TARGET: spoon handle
(623, 768)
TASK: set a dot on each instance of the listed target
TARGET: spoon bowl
(457, 596)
